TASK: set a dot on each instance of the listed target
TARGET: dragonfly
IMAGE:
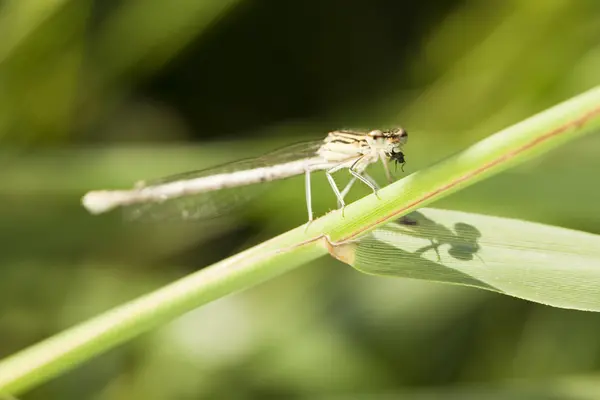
(351, 150)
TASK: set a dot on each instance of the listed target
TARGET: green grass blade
(537, 262)
(69, 348)
(512, 146)
(532, 137)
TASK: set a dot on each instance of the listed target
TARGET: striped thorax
(359, 149)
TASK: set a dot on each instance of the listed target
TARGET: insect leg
(348, 187)
(353, 179)
(335, 188)
(367, 181)
(386, 168)
(370, 178)
(364, 180)
(308, 195)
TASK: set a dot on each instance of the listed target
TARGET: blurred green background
(100, 94)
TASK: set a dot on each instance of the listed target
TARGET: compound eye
(396, 133)
(390, 133)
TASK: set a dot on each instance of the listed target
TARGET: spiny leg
(308, 195)
(365, 181)
(335, 188)
(347, 188)
(386, 168)
(370, 178)
(353, 179)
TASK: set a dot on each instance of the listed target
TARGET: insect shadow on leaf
(463, 238)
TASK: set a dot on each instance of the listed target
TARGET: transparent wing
(217, 203)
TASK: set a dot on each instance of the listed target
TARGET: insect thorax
(343, 145)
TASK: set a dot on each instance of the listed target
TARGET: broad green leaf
(546, 264)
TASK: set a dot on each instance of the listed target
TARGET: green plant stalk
(532, 137)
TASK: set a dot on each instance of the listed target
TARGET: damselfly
(342, 149)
